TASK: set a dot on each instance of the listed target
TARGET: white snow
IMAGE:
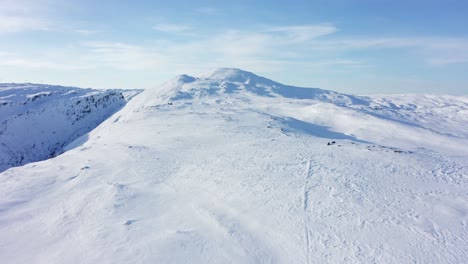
(37, 121)
(233, 168)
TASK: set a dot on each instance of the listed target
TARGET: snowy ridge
(38, 121)
(444, 113)
(231, 167)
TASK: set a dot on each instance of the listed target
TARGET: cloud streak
(22, 15)
(206, 10)
(13, 60)
(121, 56)
(171, 28)
(302, 33)
(11, 24)
(432, 50)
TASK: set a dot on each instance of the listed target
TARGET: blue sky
(351, 46)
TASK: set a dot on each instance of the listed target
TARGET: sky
(351, 46)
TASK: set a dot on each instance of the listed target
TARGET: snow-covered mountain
(37, 121)
(231, 167)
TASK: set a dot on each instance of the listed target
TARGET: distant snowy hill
(37, 121)
(231, 167)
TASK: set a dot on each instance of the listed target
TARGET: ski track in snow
(308, 174)
(237, 170)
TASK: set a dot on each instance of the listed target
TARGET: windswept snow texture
(37, 121)
(234, 168)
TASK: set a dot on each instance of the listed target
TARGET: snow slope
(37, 121)
(230, 167)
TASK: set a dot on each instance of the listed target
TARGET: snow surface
(37, 121)
(231, 167)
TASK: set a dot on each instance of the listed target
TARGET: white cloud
(265, 50)
(86, 32)
(10, 24)
(303, 33)
(90, 55)
(121, 56)
(206, 10)
(446, 51)
(22, 15)
(14, 6)
(238, 45)
(270, 48)
(171, 28)
(433, 50)
(4, 53)
(13, 60)
(24, 63)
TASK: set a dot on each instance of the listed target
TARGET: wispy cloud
(206, 10)
(18, 23)
(121, 56)
(171, 28)
(86, 32)
(28, 63)
(237, 45)
(317, 48)
(432, 50)
(4, 53)
(15, 6)
(269, 48)
(23, 15)
(444, 51)
(303, 32)
(14, 60)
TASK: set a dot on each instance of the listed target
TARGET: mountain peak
(231, 74)
(184, 78)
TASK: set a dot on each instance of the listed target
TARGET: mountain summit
(236, 75)
(231, 82)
